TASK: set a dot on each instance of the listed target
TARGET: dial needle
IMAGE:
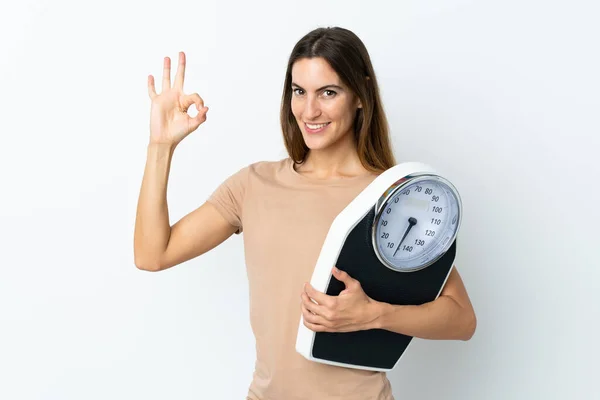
(412, 221)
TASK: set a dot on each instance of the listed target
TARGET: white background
(500, 96)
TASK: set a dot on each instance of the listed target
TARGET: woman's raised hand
(169, 120)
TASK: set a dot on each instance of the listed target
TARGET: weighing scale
(398, 239)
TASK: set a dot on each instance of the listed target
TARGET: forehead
(314, 72)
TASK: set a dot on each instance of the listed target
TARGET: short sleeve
(228, 198)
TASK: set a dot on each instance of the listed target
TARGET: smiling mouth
(314, 128)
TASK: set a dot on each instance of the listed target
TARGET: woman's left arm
(450, 316)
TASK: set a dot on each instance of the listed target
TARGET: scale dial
(416, 221)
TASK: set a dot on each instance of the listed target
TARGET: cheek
(337, 112)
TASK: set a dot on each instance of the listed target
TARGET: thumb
(195, 98)
(344, 277)
(202, 110)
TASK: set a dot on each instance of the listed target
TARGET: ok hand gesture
(169, 120)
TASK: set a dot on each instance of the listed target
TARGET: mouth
(316, 128)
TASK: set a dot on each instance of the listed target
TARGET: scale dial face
(416, 222)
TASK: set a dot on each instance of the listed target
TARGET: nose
(312, 109)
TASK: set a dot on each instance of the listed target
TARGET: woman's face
(324, 107)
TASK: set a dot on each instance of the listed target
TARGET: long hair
(348, 57)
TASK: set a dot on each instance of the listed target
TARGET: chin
(316, 143)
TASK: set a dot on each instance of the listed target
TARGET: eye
(295, 91)
(330, 91)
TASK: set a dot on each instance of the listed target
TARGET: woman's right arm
(157, 245)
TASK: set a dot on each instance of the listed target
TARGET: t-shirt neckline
(330, 181)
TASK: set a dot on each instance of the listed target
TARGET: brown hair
(348, 57)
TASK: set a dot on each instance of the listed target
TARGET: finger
(313, 319)
(200, 118)
(344, 277)
(151, 90)
(317, 327)
(322, 328)
(319, 297)
(166, 82)
(314, 308)
(194, 98)
(180, 75)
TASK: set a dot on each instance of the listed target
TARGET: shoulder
(269, 164)
(264, 171)
(268, 168)
(259, 168)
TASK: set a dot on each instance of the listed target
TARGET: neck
(336, 161)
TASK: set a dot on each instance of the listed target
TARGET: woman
(336, 135)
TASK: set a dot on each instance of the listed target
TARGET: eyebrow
(321, 88)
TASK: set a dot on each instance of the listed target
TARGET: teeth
(317, 126)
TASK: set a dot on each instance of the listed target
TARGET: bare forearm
(442, 318)
(152, 227)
